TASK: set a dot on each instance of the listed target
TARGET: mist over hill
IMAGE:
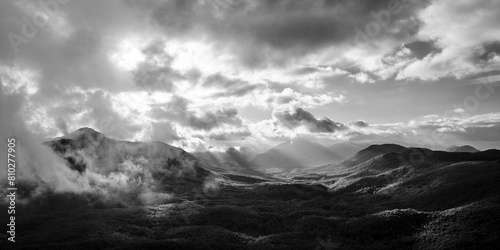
(144, 172)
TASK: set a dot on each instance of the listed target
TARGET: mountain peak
(463, 148)
(84, 132)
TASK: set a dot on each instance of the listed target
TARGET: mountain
(464, 148)
(362, 156)
(433, 180)
(346, 149)
(294, 154)
(375, 150)
(235, 160)
(137, 165)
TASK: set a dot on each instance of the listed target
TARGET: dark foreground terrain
(374, 200)
(271, 216)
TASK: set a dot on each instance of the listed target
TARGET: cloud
(360, 123)
(106, 119)
(154, 73)
(163, 132)
(227, 87)
(263, 34)
(474, 128)
(465, 32)
(210, 120)
(362, 77)
(177, 110)
(37, 165)
(421, 49)
(291, 98)
(300, 117)
(487, 79)
(230, 135)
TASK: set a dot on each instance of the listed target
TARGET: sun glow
(128, 55)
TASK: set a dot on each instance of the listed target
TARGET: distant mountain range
(87, 149)
(232, 161)
(294, 154)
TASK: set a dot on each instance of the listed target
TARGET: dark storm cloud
(300, 117)
(262, 33)
(177, 110)
(285, 24)
(297, 29)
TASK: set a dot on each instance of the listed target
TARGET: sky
(208, 75)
